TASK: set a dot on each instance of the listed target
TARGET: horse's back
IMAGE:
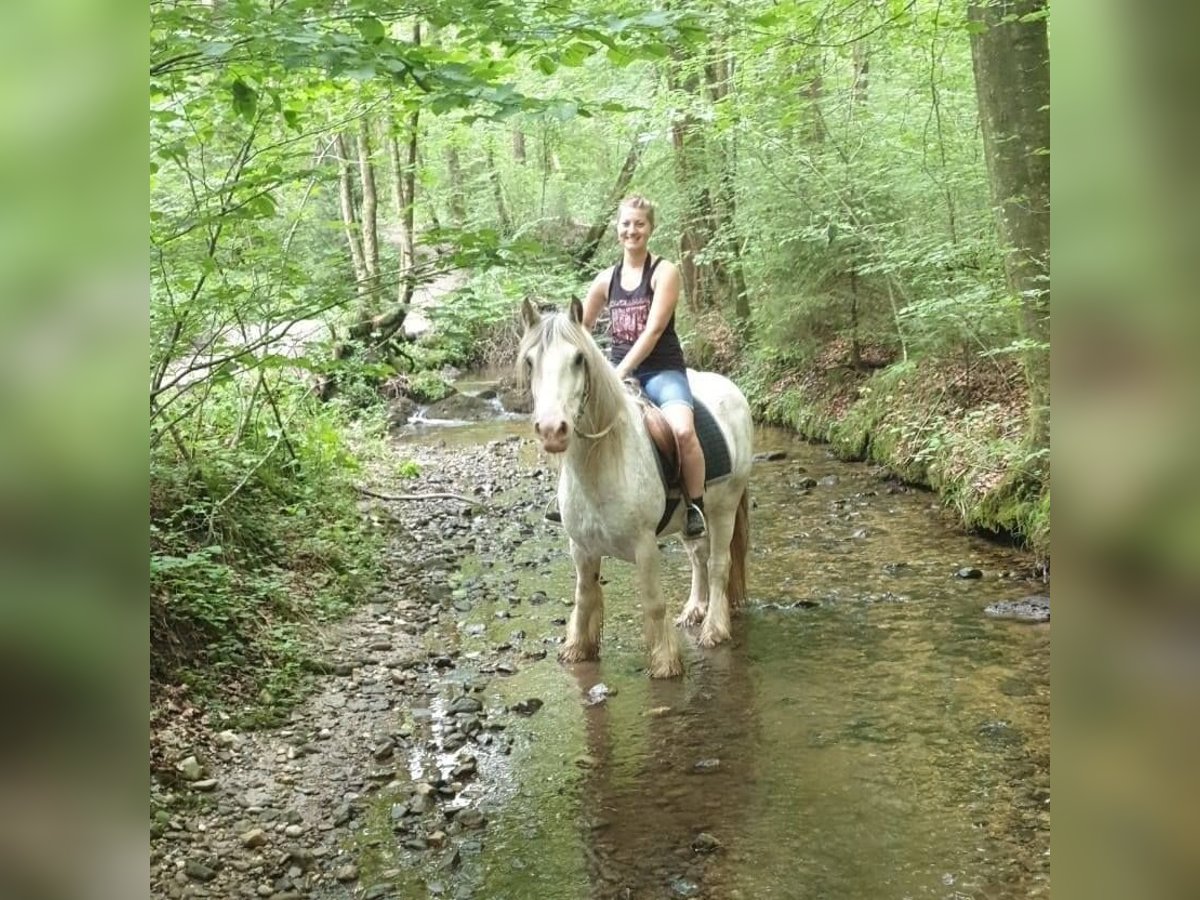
(730, 408)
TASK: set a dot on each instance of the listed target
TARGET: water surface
(867, 733)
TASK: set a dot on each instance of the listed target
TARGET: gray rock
(1034, 608)
(197, 871)
(705, 843)
(598, 693)
(190, 769)
(528, 707)
(466, 705)
(462, 407)
(968, 573)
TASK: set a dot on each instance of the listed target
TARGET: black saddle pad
(717, 463)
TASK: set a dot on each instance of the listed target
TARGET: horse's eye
(578, 359)
(528, 364)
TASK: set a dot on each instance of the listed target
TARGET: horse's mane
(607, 397)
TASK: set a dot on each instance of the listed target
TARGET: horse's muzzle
(553, 434)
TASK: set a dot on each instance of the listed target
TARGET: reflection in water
(668, 772)
(867, 733)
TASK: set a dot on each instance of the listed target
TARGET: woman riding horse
(641, 293)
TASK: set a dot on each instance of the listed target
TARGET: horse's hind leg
(661, 640)
(697, 602)
(587, 619)
(716, 625)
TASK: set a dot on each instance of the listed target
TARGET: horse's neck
(606, 461)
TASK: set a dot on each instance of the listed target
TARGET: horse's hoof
(670, 669)
(690, 617)
(710, 637)
(577, 654)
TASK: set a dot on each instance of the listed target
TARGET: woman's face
(633, 228)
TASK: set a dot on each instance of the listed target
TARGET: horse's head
(557, 359)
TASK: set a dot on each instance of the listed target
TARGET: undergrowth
(932, 422)
(253, 544)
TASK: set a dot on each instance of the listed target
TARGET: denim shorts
(667, 387)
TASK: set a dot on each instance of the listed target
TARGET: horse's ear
(576, 311)
(529, 314)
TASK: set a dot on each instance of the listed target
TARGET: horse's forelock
(606, 392)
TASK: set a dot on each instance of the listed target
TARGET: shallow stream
(867, 733)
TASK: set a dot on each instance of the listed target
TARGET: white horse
(612, 497)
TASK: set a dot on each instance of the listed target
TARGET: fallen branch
(468, 500)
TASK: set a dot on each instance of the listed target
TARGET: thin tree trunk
(370, 224)
(727, 267)
(498, 192)
(689, 175)
(349, 219)
(458, 196)
(1011, 56)
(404, 182)
(862, 69)
(603, 221)
(518, 143)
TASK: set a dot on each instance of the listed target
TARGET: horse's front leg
(697, 602)
(661, 641)
(587, 619)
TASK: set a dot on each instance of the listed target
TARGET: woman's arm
(665, 285)
(597, 296)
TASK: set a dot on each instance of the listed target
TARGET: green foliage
(250, 547)
(428, 387)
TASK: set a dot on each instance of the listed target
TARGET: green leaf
(372, 29)
(245, 100)
(546, 65)
(261, 207)
(575, 54)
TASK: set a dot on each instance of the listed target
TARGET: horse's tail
(739, 546)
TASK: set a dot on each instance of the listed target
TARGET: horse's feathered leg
(661, 640)
(587, 619)
(697, 602)
(716, 625)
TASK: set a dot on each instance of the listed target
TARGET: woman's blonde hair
(637, 201)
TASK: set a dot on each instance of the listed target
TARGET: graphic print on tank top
(629, 310)
(629, 316)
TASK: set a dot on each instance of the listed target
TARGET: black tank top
(629, 311)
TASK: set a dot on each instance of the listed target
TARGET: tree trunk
(518, 143)
(862, 68)
(349, 219)
(727, 266)
(370, 224)
(603, 221)
(458, 196)
(1012, 82)
(506, 227)
(404, 172)
(687, 141)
